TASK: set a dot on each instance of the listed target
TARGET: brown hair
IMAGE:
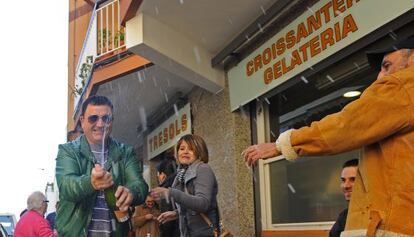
(196, 144)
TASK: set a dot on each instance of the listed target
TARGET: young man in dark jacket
(348, 175)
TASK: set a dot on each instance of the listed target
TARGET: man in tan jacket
(382, 122)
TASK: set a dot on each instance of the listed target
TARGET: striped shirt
(100, 225)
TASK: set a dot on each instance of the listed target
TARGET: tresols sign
(326, 28)
(168, 133)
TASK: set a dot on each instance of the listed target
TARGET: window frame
(263, 135)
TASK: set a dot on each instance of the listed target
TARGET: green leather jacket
(74, 165)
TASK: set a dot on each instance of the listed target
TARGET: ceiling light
(350, 94)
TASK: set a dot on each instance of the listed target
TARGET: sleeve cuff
(284, 145)
(172, 192)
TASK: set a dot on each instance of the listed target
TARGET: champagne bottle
(121, 216)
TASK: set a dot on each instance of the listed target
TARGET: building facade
(235, 72)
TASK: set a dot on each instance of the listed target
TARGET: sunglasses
(94, 118)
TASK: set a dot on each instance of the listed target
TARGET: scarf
(181, 173)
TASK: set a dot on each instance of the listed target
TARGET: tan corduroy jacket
(382, 122)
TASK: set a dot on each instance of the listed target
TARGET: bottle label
(121, 216)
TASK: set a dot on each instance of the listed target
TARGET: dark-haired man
(382, 122)
(348, 175)
(166, 171)
(90, 164)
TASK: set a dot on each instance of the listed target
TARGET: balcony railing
(105, 36)
(111, 34)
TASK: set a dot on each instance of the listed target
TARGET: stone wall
(226, 134)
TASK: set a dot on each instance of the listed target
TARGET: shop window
(307, 190)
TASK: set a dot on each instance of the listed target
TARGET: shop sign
(326, 28)
(168, 133)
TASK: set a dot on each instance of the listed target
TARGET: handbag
(218, 232)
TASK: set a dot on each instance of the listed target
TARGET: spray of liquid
(102, 161)
(103, 144)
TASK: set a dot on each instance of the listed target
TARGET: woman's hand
(167, 216)
(159, 193)
(149, 216)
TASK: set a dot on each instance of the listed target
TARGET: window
(7, 222)
(306, 194)
(307, 190)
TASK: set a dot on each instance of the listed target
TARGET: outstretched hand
(260, 151)
(159, 193)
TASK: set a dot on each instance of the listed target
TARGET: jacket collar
(114, 154)
(191, 172)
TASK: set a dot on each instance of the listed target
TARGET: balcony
(105, 38)
(111, 34)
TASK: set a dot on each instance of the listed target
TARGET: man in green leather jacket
(90, 164)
